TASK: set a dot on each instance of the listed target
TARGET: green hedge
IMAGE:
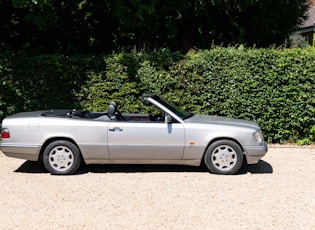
(31, 81)
(273, 87)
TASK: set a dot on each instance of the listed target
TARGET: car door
(145, 140)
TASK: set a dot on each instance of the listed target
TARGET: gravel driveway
(277, 193)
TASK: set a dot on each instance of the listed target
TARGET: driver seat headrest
(112, 108)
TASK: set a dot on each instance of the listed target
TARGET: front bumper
(255, 153)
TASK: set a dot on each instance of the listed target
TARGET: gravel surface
(277, 193)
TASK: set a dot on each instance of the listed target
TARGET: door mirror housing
(168, 119)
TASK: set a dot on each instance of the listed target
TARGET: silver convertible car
(62, 139)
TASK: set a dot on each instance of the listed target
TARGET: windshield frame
(181, 113)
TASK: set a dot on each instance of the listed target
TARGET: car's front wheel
(61, 157)
(224, 157)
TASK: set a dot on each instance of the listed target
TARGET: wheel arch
(52, 139)
(223, 138)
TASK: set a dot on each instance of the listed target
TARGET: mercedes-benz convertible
(62, 139)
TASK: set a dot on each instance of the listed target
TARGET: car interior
(112, 114)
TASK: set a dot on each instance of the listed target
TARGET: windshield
(175, 109)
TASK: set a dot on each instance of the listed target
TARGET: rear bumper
(27, 152)
(255, 153)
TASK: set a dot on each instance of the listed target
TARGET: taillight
(5, 133)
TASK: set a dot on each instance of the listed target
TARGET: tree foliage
(103, 25)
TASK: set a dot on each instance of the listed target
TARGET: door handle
(116, 129)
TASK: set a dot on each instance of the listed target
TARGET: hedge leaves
(273, 87)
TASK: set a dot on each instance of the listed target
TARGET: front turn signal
(257, 137)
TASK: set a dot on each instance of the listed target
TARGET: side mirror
(168, 119)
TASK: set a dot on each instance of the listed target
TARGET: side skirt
(161, 162)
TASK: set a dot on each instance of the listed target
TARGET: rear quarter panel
(89, 135)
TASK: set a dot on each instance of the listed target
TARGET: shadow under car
(262, 167)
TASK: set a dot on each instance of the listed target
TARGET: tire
(61, 158)
(224, 157)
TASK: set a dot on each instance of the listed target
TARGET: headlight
(257, 137)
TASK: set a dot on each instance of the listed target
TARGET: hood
(221, 120)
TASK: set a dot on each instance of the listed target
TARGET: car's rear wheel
(61, 157)
(224, 157)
